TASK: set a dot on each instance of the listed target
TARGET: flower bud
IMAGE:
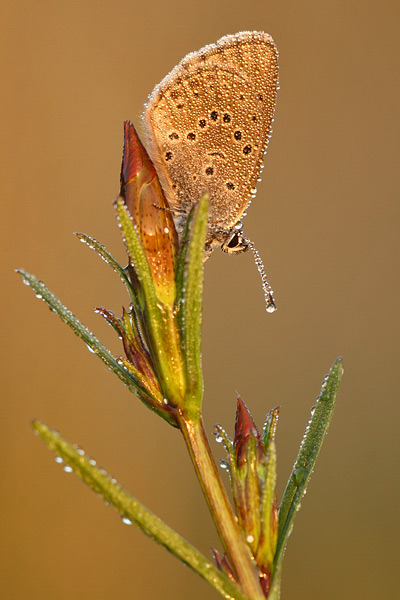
(151, 215)
(252, 465)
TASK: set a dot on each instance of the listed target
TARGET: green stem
(232, 539)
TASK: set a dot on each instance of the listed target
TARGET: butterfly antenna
(268, 291)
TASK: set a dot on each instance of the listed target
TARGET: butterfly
(208, 123)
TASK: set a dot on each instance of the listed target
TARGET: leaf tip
(39, 428)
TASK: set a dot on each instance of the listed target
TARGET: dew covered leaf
(56, 306)
(309, 450)
(105, 255)
(132, 512)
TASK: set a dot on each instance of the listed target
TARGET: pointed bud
(252, 465)
(244, 429)
(269, 509)
(223, 564)
(151, 215)
(246, 484)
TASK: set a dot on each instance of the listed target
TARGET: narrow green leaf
(134, 512)
(116, 366)
(310, 447)
(56, 306)
(191, 305)
(109, 259)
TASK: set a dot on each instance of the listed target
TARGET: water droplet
(68, 469)
(126, 521)
(250, 539)
(59, 460)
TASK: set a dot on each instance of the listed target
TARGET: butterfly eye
(235, 244)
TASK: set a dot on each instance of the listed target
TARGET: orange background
(324, 221)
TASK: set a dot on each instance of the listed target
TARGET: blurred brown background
(325, 223)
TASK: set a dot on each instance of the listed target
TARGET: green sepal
(111, 319)
(181, 261)
(133, 511)
(93, 343)
(189, 302)
(266, 549)
(222, 436)
(268, 513)
(138, 257)
(269, 429)
(310, 447)
(147, 382)
(162, 337)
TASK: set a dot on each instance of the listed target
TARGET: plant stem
(232, 539)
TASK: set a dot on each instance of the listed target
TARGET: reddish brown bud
(223, 564)
(244, 427)
(148, 207)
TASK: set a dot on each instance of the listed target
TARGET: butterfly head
(235, 242)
